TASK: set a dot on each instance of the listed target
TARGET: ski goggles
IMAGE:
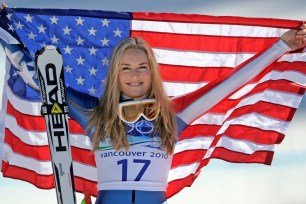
(131, 111)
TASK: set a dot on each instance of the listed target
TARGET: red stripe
(40, 181)
(83, 156)
(82, 185)
(188, 157)
(37, 123)
(42, 153)
(266, 109)
(256, 135)
(296, 66)
(38, 152)
(199, 130)
(195, 18)
(176, 186)
(207, 74)
(238, 132)
(262, 157)
(272, 85)
(28, 122)
(192, 42)
(191, 74)
(276, 85)
(45, 181)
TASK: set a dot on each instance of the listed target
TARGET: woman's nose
(134, 72)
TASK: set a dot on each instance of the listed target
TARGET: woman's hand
(3, 6)
(295, 39)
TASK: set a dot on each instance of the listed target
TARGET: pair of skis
(55, 111)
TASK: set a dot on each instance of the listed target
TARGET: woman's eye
(142, 68)
(125, 69)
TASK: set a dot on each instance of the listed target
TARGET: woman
(133, 126)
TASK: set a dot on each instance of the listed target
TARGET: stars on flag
(81, 60)
(105, 22)
(67, 30)
(117, 32)
(28, 18)
(86, 43)
(54, 39)
(80, 41)
(93, 71)
(92, 51)
(54, 20)
(10, 27)
(79, 21)
(68, 49)
(105, 42)
(92, 31)
(31, 36)
(68, 69)
(41, 29)
(19, 25)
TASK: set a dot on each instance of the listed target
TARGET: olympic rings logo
(143, 127)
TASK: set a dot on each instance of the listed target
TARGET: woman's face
(135, 74)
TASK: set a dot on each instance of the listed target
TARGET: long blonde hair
(104, 118)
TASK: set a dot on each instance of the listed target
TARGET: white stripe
(257, 121)
(26, 136)
(210, 119)
(23, 106)
(37, 138)
(277, 97)
(293, 57)
(200, 59)
(271, 96)
(230, 144)
(182, 171)
(14, 159)
(194, 143)
(7, 37)
(85, 171)
(241, 146)
(45, 167)
(294, 76)
(3, 108)
(179, 88)
(234, 82)
(206, 29)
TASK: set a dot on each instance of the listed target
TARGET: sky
(284, 182)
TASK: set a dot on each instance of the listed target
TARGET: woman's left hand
(295, 39)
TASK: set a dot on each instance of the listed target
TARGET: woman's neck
(125, 97)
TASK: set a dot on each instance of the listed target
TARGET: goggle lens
(131, 111)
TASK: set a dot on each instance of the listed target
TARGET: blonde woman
(133, 127)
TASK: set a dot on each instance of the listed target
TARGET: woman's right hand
(295, 39)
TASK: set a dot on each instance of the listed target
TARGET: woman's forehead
(134, 55)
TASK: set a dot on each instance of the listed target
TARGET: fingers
(301, 34)
(3, 6)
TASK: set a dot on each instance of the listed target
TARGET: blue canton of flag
(86, 44)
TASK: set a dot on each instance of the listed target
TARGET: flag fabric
(193, 51)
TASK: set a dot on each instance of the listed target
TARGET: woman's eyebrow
(127, 64)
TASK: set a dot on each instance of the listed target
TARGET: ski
(54, 108)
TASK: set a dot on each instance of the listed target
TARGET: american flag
(193, 51)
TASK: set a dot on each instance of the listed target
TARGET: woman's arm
(79, 104)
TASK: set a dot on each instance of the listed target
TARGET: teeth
(135, 84)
